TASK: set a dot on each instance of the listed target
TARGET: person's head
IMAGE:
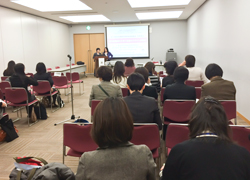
(170, 67)
(119, 70)
(143, 71)
(129, 62)
(40, 68)
(19, 69)
(136, 82)
(213, 70)
(181, 74)
(10, 68)
(190, 60)
(150, 67)
(112, 123)
(106, 49)
(208, 115)
(104, 73)
(97, 50)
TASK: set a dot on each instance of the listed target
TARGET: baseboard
(243, 117)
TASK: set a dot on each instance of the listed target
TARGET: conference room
(65, 36)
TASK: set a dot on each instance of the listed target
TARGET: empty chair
(240, 134)
(4, 85)
(124, 92)
(57, 67)
(230, 109)
(78, 139)
(72, 64)
(76, 80)
(18, 97)
(61, 82)
(198, 92)
(48, 69)
(67, 65)
(94, 103)
(177, 110)
(194, 83)
(3, 78)
(176, 134)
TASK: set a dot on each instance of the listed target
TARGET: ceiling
(118, 11)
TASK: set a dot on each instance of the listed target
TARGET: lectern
(96, 58)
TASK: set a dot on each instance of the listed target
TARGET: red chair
(31, 74)
(176, 134)
(16, 97)
(194, 83)
(240, 134)
(177, 110)
(48, 69)
(57, 67)
(94, 103)
(160, 73)
(124, 92)
(75, 79)
(198, 92)
(149, 135)
(162, 97)
(78, 139)
(67, 65)
(163, 75)
(230, 109)
(61, 82)
(3, 78)
(72, 64)
(4, 85)
(42, 89)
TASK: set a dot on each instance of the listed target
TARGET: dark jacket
(150, 91)
(6, 73)
(44, 76)
(144, 109)
(179, 90)
(167, 81)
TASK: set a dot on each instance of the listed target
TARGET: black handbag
(9, 129)
(43, 115)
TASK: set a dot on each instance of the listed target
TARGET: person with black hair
(218, 88)
(129, 66)
(155, 81)
(107, 53)
(210, 153)
(97, 53)
(10, 69)
(105, 88)
(118, 77)
(170, 66)
(195, 73)
(144, 109)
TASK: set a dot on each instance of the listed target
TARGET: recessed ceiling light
(159, 15)
(86, 18)
(53, 5)
(152, 3)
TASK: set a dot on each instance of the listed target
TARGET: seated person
(179, 90)
(118, 77)
(144, 109)
(170, 66)
(129, 67)
(116, 157)
(153, 79)
(41, 74)
(105, 88)
(210, 153)
(218, 88)
(2, 106)
(10, 69)
(195, 73)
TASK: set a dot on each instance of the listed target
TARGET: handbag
(43, 113)
(33, 117)
(10, 130)
(2, 135)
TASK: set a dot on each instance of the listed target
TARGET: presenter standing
(97, 53)
(107, 53)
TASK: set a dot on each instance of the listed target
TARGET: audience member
(10, 69)
(105, 88)
(153, 79)
(107, 53)
(116, 157)
(218, 88)
(41, 74)
(150, 91)
(195, 73)
(2, 106)
(144, 109)
(179, 90)
(19, 79)
(118, 77)
(210, 153)
(129, 67)
(170, 66)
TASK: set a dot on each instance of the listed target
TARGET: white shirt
(196, 74)
(122, 84)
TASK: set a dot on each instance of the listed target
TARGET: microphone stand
(73, 117)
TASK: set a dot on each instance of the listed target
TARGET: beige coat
(112, 89)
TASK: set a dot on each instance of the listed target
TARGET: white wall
(29, 39)
(165, 35)
(219, 33)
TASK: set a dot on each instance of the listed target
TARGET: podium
(97, 60)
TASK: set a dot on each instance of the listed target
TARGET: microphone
(69, 56)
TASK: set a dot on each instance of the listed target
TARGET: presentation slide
(128, 41)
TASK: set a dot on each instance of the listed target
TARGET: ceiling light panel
(53, 5)
(87, 18)
(159, 15)
(154, 3)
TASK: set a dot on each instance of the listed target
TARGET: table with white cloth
(74, 68)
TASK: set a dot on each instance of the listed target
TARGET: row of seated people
(209, 154)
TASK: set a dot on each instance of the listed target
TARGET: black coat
(167, 81)
(45, 77)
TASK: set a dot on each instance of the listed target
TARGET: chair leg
(64, 151)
